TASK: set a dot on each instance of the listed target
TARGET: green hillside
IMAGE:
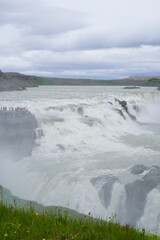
(25, 220)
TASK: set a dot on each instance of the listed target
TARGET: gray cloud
(103, 64)
(38, 18)
(80, 38)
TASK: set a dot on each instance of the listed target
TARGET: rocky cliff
(16, 81)
(18, 131)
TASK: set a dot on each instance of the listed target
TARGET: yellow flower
(5, 235)
(15, 232)
(64, 214)
(1, 199)
(28, 231)
(90, 215)
(20, 207)
(37, 213)
(156, 235)
(74, 237)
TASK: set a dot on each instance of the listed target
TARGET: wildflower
(74, 236)
(64, 214)
(5, 235)
(27, 231)
(46, 211)
(156, 235)
(20, 207)
(143, 231)
(37, 213)
(15, 232)
(90, 215)
(1, 199)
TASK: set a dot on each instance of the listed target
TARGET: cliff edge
(18, 132)
(16, 81)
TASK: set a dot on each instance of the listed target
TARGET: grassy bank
(30, 225)
(153, 82)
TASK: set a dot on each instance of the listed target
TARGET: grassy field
(153, 82)
(19, 224)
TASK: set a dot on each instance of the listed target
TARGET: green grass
(30, 225)
(44, 81)
(79, 82)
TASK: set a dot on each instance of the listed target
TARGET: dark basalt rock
(136, 193)
(106, 186)
(132, 87)
(80, 111)
(120, 113)
(18, 131)
(61, 147)
(152, 179)
(136, 108)
(124, 106)
(16, 81)
(138, 169)
(55, 108)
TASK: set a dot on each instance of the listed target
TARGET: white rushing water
(90, 143)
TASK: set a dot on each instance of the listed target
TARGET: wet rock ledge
(18, 132)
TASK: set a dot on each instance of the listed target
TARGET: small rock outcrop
(17, 132)
(138, 169)
(124, 106)
(131, 87)
(105, 192)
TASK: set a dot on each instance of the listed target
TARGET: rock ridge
(16, 81)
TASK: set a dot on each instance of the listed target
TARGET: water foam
(86, 134)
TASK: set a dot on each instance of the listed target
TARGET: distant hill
(131, 81)
(10, 81)
(142, 78)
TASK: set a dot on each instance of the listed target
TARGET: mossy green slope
(19, 224)
(9, 199)
(26, 220)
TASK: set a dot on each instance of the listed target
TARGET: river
(89, 147)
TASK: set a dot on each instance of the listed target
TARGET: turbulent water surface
(86, 159)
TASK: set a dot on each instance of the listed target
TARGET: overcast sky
(105, 39)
